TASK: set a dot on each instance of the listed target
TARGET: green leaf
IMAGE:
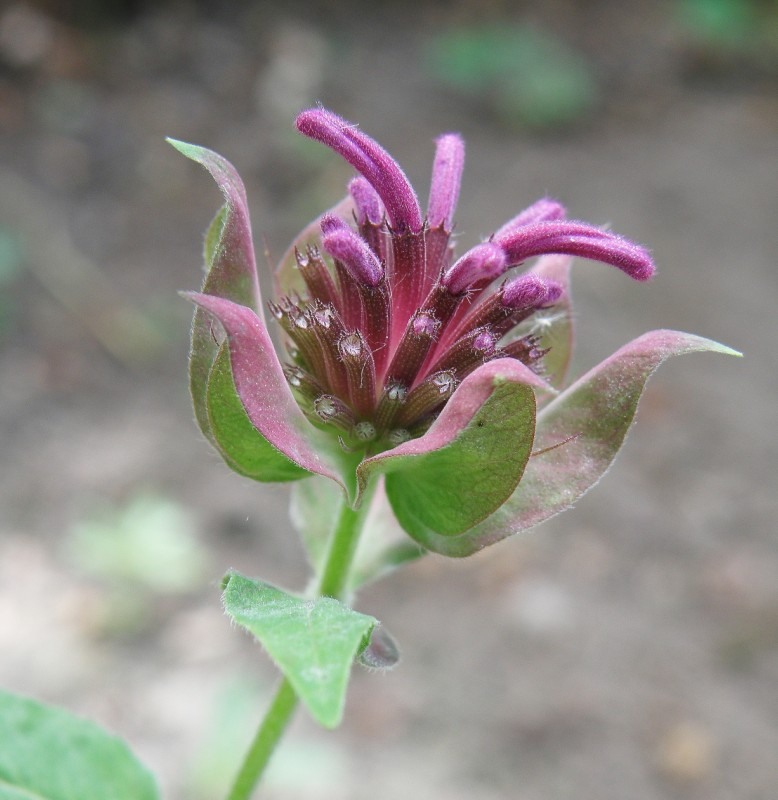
(579, 434)
(49, 754)
(230, 269)
(267, 399)
(451, 489)
(213, 236)
(469, 462)
(242, 446)
(313, 642)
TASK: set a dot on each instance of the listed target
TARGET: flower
(444, 375)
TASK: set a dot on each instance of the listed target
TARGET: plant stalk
(333, 583)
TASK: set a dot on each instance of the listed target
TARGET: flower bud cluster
(390, 324)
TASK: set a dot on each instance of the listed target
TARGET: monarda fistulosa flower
(444, 376)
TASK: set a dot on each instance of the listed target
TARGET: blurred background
(627, 649)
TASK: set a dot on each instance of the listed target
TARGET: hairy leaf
(578, 436)
(313, 642)
(265, 395)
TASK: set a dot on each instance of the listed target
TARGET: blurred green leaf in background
(147, 542)
(11, 262)
(523, 75)
(723, 36)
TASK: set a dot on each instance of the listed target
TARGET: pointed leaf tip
(579, 434)
(181, 146)
(313, 642)
(230, 268)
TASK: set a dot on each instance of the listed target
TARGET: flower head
(405, 362)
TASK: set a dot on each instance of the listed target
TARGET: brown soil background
(626, 650)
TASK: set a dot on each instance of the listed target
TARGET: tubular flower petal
(368, 158)
(543, 210)
(446, 179)
(484, 262)
(576, 239)
(352, 251)
(367, 201)
(440, 376)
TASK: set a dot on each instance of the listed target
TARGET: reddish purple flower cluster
(386, 333)
(408, 367)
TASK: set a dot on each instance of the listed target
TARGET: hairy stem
(333, 583)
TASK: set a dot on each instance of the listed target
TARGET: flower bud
(483, 263)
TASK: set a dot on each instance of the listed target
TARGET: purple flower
(441, 374)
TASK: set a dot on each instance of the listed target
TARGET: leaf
(241, 445)
(313, 642)
(266, 397)
(231, 270)
(451, 489)
(50, 754)
(470, 460)
(584, 427)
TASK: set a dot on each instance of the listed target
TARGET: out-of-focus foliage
(721, 32)
(50, 754)
(147, 543)
(523, 75)
(11, 256)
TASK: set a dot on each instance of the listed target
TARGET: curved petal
(544, 210)
(577, 239)
(368, 158)
(266, 397)
(470, 460)
(231, 270)
(586, 426)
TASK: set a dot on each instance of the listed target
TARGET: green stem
(343, 546)
(274, 724)
(333, 583)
